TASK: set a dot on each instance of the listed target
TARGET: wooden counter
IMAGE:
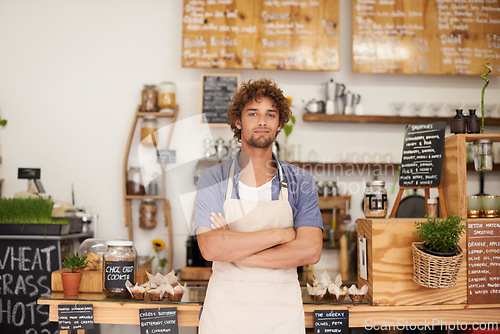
(363, 315)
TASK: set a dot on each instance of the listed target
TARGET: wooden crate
(91, 280)
(390, 266)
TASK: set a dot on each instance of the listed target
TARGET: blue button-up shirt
(302, 193)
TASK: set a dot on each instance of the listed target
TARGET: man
(257, 218)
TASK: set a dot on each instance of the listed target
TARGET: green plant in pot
(441, 236)
(71, 280)
(438, 256)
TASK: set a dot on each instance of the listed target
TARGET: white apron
(243, 299)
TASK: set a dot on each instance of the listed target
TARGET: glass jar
(120, 266)
(375, 200)
(148, 128)
(149, 96)
(166, 95)
(147, 214)
(94, 250)
(432, 208)
(483, 155)
(134, 182)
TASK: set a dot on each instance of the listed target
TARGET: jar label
(376, 202)
(116, 273)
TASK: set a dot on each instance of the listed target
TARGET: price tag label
(331, 321)
(75, 317)
(159, 320)
(363, 272)
(166, 156)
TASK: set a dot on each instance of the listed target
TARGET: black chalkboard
(422, 155)
(159, 320)
(216, 93)
(75, 316)
(117, 273)
(331, 321)
(25, 267)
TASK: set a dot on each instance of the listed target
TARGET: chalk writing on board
(217, 93)
(483, 262)
(271, 34)
(26, 266)
(433, 37)
(422, 155)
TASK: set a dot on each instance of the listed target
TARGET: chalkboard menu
(159, 320)
(75, 317)
(422, 155)
(429, 37)
(25, 267)
(331, 321)
(483, 262)
(217, 92)
(268, 34)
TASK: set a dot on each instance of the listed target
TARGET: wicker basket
(433, 271)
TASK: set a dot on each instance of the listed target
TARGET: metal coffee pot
(339, 101)
(315, 107)
(351, 100)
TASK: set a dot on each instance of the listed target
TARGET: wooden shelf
(142, 197)
(157, 114)
(310, 117)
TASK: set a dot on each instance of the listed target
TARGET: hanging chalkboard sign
(331, 321)
(75, 316)
(422, 155)
(159, 320)
(217, 91)
(25, 267)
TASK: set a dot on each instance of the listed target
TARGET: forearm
(230, 246)
(305, 249)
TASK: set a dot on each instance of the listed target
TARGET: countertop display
(114, 311)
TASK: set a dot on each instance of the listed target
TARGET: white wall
(70, 80)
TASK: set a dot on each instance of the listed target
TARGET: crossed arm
(272, 248)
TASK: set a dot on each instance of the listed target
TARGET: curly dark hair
(255, 90)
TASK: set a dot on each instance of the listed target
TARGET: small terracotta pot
(71, 283)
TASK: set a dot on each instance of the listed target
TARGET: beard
(261, 141)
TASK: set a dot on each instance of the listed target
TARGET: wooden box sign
(217, 91)
(243, 34)
(483, 261)
(390, 266)
(425, 37)
(422, 155)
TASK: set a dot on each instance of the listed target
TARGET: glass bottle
(134, 182)
(149, 97)
(458, 124)
(474, 124)
(119, 265)
(375, 200)
(148, 128)
(432, 208)
(147, 214)
(166, 95)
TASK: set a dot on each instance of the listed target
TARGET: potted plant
(71, 280)
(437, 256)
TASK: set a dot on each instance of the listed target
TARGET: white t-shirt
(262, 193)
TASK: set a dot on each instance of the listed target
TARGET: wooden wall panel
(425, 36)
(269, 34)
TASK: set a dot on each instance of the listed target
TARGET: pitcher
(351, 100)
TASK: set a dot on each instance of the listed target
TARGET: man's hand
(218, 222)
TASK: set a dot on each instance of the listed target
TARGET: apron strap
(283, 183)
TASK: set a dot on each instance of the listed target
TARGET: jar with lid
(94, 250)
(149, 97)
(375, 200)
(166, 95)
(120, 265)
(148, 128)
(147, 214)
(134, 182)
